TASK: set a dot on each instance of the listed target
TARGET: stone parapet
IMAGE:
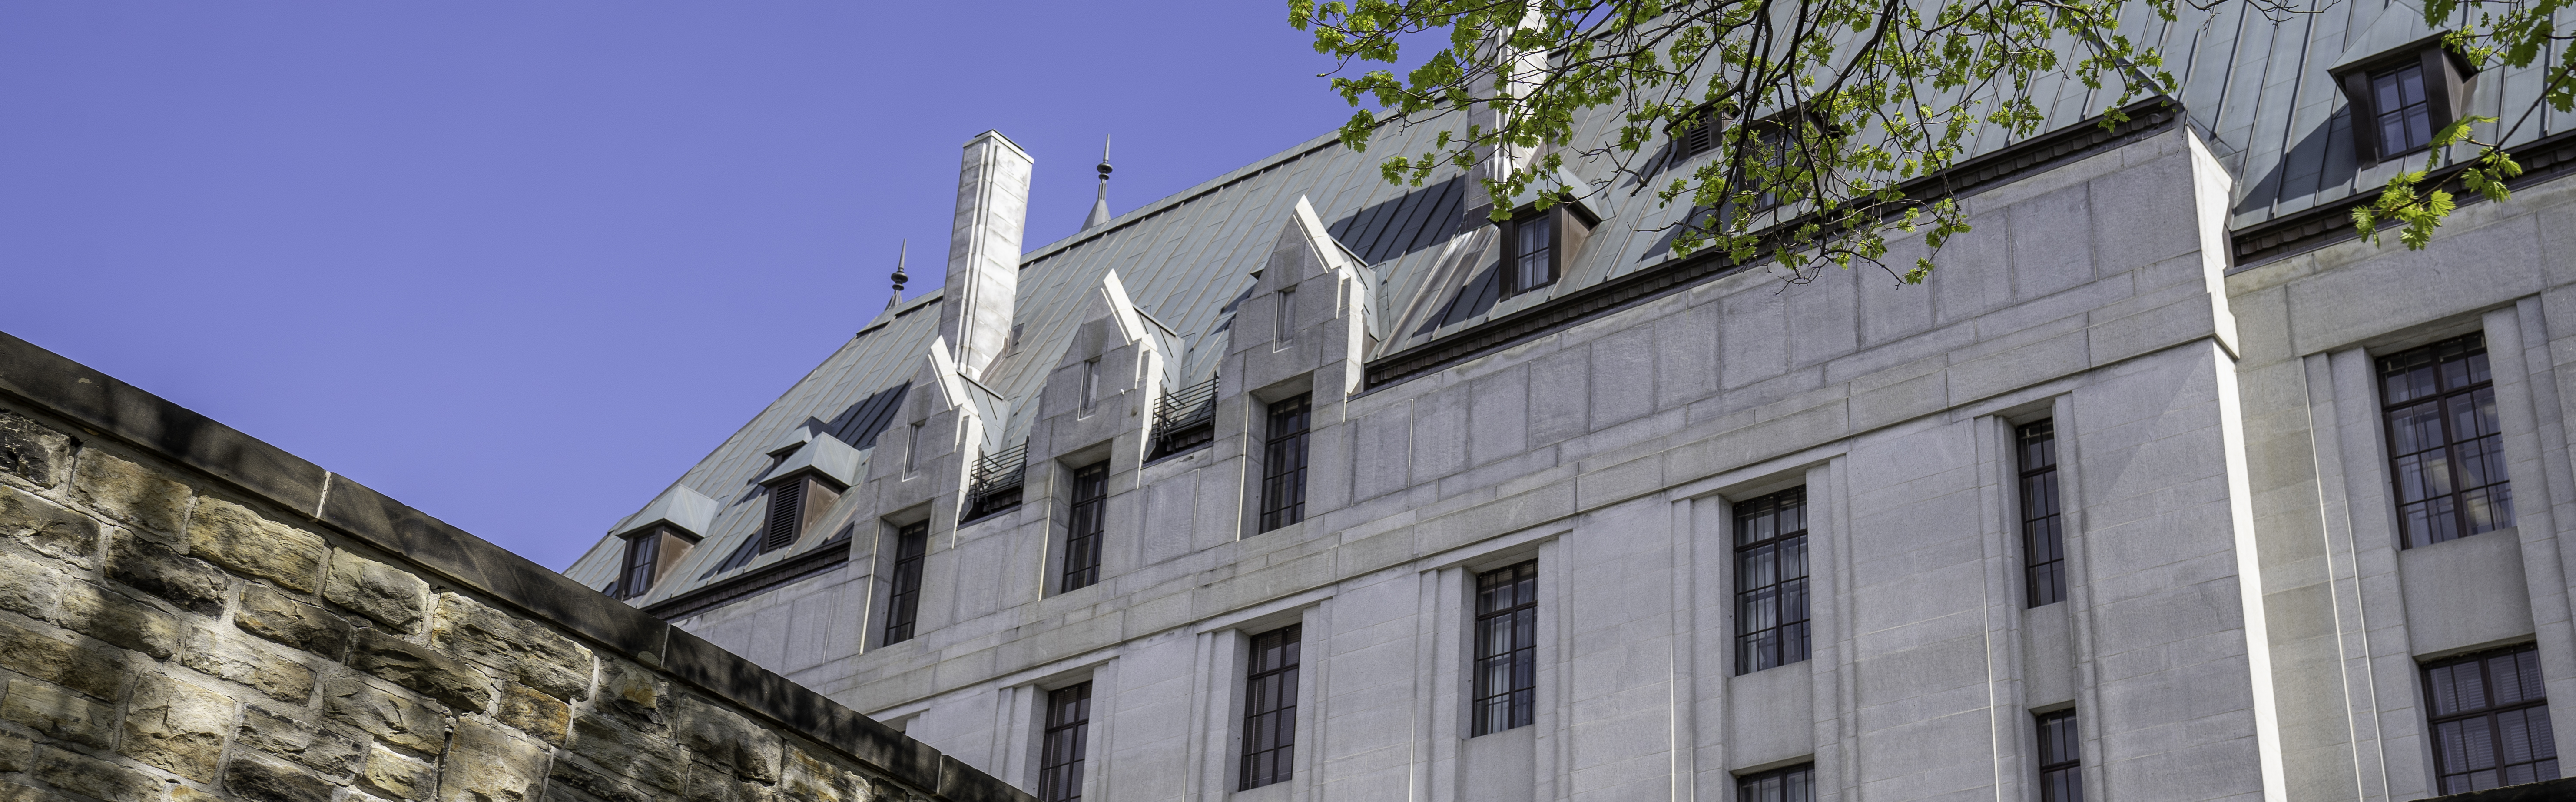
(188, 613)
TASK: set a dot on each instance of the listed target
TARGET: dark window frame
(1283, 461)
(1270, 707)
(636, 573)
(2447, 725)
(903, 582)
(2043, 520)
(1786, 784)
(1060, 752)
(1766, 596)
(2059, 748)
(1503, 682)
(1085, 522)
(2390, 108)
(1544, 222)
(2421, 382)
(2445, 78)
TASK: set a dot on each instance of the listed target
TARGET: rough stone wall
(166, 636)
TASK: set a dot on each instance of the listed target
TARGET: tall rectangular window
(1506, 680)
(1083, 527)
(1533, 252)
(1283, 325)
(1068, 725)
(2061, 775)
(1771, 581)
(1090, 384)
(1270, 707)
(642, 550)
(912, 450)
(2043, 537)
(2490, 721)
(1283, 465)
(2445, 449)
(903, 599)
(1792, 784)
(2405, 115)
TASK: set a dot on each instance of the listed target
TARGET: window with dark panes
(1068, 726)
(2043, 538)
(2404, 110)
(1505, 692)
(903, 600)
(2490, 721)
(1792, 784)
(642, 550)
(1270, 707)
(2061, 775)
(1083, 527)
(2444, 447)
(1283, 465)
(1533, 252)
(1771, 581)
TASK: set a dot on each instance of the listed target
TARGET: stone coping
(110, 408)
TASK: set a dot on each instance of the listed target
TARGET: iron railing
(994, 485)
(1185, 419)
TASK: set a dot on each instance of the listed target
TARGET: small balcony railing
(994, 484)
(1184, 419)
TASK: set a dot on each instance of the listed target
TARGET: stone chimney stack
(984, 250)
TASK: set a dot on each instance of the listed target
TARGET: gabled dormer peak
(679, 507)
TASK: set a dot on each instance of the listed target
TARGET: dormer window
(2400, 95)
(2405, 116)
(642, 550)
(793, 504)
(1537, 245)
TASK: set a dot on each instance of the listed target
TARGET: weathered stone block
(257, 777)
(155, 569)
(86, 669)
(119, 619)
(638, 756)
(234, 537)
(604, 785)
(16, 753)
(397, 776)
(719, 736)
(534, 713)
(130, 492)
(811, 779)
(29, 588)
(376, 590)
(46, 526)
(539, 656)
(244, 661)
(450, 681)
(632, 693)
(397, 719)
(717, 784)
(324, 750)
(485, 763)
(270, 614)
(13, 792)
(81, 774)
(33, 451)
(58, 713)
(176, 726)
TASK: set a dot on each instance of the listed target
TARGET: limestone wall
(189, 614)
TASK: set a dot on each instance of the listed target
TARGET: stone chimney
(984, 250)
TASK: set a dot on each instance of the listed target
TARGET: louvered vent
(1695, 137)
(786, 509)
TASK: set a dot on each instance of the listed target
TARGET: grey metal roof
(2255, 88)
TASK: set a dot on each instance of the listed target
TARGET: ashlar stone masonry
(167, 636)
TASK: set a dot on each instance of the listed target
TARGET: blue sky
(520, 264)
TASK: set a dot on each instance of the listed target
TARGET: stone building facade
(1301, 486)
(189, 614)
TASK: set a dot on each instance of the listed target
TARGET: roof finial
(1100, 207)
(899, 277)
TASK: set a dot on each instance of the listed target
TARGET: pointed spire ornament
(899, 277)
(1100, 207)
